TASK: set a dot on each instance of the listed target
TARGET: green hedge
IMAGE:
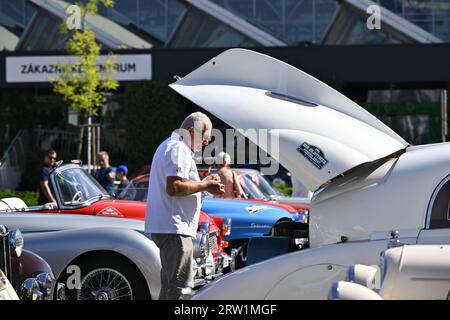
(30, 197)
(151, 111)
(284, 188)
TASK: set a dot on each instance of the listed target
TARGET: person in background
(121, 175)
(106, 174)
(45, 193)
(228, 177)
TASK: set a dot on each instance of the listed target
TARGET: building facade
(291, 21)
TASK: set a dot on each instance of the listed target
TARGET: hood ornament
(394, 241)
(254, 209)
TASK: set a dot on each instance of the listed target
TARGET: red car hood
(133, 210)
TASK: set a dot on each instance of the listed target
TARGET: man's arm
(179, 187)
(48, 194)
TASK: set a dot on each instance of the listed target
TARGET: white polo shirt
(167, 214)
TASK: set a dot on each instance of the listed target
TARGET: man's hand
(215, 187)
(177, 186)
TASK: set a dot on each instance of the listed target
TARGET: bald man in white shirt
(174, 201)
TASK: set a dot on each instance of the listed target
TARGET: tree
(82, 84)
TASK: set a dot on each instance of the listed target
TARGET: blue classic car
(249, 218)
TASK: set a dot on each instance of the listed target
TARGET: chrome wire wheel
(105, 284)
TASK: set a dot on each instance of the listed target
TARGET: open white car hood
(321, 132)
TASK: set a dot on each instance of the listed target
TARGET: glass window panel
(13, 9)
(128, 8)
(268, 11)
(243, 8)
(413, 128)
(440, 212)
(30, 12)
(199, 30)
(392, 5)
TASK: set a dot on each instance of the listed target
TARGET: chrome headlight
(45, 282)
(304, 215)
(205, 227)
(226, 226)
(201, 243)
(29, 290)
(16, 242)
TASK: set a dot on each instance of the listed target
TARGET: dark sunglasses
(51, 158)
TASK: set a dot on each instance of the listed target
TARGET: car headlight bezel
(16, 242)
(45, 282)
(334, 292)
(29, 289)
(226, 226)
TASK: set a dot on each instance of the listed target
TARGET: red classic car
(77, 192)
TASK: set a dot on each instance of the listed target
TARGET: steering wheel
(77, 196)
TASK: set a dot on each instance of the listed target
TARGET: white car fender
(416, 272)
(305, 274)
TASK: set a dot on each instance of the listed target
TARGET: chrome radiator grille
(213, 242)
(5, 254)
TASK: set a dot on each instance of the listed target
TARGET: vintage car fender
(28, 264)
(78, 235)
(304, 274)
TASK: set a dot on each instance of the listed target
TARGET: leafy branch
(82, 84)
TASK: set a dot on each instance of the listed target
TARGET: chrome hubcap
(105, 284)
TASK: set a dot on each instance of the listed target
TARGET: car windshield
(135, 190)
(250, 189)
(76, 186)
(264, 185)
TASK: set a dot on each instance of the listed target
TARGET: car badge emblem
(110, 211)
(313, 154)
(255, 209)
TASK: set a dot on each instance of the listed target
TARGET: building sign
(129, 67)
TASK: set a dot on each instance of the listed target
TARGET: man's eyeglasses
(51, 158)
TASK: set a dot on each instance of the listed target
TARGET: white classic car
(368, 181)
(405, 272)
